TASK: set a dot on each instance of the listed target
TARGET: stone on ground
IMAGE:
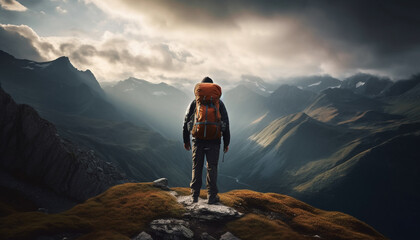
(143, 236)
(161, 183)
(207, 212)
(174, 229)
(206, 236)
(228, 236)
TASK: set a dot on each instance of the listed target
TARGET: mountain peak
(134, 81)
(257, 84)
(62, 61)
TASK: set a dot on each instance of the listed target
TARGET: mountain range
(152, 104)
(345, 145)
(83, 113)
(337, 148)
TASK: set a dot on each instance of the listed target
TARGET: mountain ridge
(31, 150)
(88, 118)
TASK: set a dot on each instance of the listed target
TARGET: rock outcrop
(171, 229)
(143, 236)
(206, 212)
(161, 183)
(198, 218)
(228, 236)
(31, 150)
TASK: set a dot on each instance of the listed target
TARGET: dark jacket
(189, 117)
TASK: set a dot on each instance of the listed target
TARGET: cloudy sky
(181, 41)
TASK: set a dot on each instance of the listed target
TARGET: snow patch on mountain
(314, 84)
(359, 84)
(42, 65)
(28, 67)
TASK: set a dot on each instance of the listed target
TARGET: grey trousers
(211, 152)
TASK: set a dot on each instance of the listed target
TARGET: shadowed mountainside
(78, 107)
(318, 154)
(32, 153)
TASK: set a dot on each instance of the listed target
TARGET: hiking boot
(213, 199)
(194, 199)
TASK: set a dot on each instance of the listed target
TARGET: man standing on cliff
(207, 121)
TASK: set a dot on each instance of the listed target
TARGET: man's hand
(187, 146)
(226, 149)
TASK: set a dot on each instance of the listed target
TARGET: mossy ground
(277, 216)
(122, 210)
(125, 210)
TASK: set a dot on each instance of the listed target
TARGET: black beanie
(207, 80)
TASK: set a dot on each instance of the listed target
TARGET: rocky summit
(199, 219)
(144, 211)
(206, 212)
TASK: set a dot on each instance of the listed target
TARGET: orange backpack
(207, 124)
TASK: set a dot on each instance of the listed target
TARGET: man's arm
(226, 132)
(185, 133)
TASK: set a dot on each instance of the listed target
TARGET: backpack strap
(215, 113)
(218, 121)
(197, 109)
(205, 121)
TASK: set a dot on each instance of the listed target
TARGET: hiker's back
(207, 118)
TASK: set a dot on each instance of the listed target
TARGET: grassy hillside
(125, 210)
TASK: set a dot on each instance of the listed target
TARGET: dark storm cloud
(376, 35)
(390, 30)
